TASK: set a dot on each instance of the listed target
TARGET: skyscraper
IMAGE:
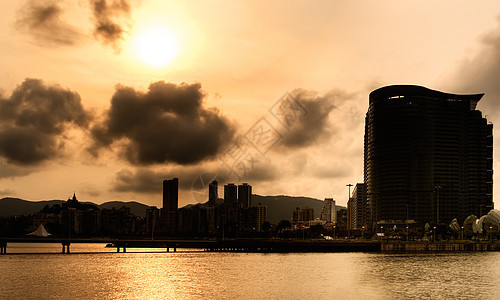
(245, 195)
(357, 207)
(428, 156)
(329, 211)
(213, 192)
(230, 194)
(170, 204)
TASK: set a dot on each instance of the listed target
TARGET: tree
(266, 226)
(282, 225)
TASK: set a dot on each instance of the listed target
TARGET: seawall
(439, 246)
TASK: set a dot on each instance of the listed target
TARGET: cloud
(33, 120)
(88, 189)
(10, 171)
(140, 181)
(167, 124)
(480, 72)
(331, 170)
(148, 180)
(262, 171)
(304, 114)
(42, 19)
(108, 20)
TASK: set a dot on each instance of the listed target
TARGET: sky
(107, 98)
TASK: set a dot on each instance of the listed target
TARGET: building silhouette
(170, 205)
(259, 215)
(358, 208)
(228, 218)
(428, 156)
(213, 192)
(152, 219)
(230, 194)
(245, 195)
(303, 214)
(329, 211)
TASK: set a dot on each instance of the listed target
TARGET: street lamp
(462, 232)
(434, 234)
(407, 238)
(334, 234)
(349, 213)
(363, 231)
(491, 233)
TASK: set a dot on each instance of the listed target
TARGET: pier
(228, 245)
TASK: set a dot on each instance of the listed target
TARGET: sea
(91, 271)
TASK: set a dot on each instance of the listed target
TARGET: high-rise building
(152, 219)
(230, 194)
(428, 156)
(261, 215)
(245, 195)
(303, 214)
(213, 192)
(357, 207)
(170, 204)
(328, 212)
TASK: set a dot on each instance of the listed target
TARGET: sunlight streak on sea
(94, 272)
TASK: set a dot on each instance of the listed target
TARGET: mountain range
(278, 207)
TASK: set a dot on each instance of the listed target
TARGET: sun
(157, 46)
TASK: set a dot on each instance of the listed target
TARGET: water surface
(155, 274)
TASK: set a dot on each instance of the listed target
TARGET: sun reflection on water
(156, 274)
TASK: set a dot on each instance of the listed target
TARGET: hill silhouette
(15, 206)
(278, 207)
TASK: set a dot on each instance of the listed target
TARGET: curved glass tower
(428, 157)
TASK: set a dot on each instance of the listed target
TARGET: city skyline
(234, 69)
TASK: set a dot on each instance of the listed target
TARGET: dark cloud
(305, 116)
(140, 181)
(480, 72)
(10, 171)
(33, 120)
(167, 124)
(262, 171)
(42, 19)
(146, 180)
(108, 19)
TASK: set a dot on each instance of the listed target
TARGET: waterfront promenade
(265, 245)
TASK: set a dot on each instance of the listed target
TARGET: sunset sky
(108, 98)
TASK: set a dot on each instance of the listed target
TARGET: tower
(230, 194)
(245, 195)
(170, 204)
(428, 156)
(213, 192)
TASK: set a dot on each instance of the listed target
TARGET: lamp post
(462, 232)
(407, 222)
(491, 233)
(434, 234)
(363, 232)
(334, 234)
(349, 213)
